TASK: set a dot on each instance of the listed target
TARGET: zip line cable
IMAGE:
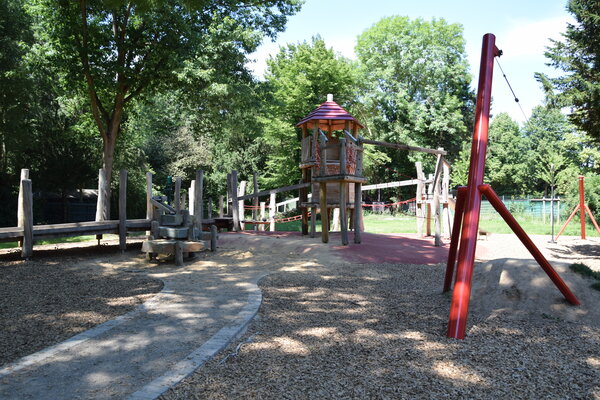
(511, 90)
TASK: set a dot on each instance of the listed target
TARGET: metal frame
(469, 205)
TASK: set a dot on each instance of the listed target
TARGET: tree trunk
(108, 156)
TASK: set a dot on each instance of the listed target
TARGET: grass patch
(584, 270)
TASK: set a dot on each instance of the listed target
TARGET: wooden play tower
(331, 160)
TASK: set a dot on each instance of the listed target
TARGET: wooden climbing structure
(332, 162)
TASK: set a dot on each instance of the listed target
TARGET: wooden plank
(27, 207)
(221, 206)
(342, 157)
(403, 146)
(165, 207)
(275, 191)
(419, 198)
(123, 209)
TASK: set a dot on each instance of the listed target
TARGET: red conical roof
(329, 114)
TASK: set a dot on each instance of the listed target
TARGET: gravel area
(378, 331)
(60, 293)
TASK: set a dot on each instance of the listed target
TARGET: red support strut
(495, 201)
(456, 225)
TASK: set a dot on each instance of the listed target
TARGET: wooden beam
(403, 146)
(275, 191)
(357, 212)
(393, 184)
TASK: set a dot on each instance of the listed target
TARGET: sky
(522, 29)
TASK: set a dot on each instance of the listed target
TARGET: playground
(188, 311)
(332, 323)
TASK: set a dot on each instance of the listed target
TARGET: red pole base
(456, 226)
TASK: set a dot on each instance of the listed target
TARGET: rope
(511, 90)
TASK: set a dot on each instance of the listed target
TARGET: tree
(15, 37)
(578, 55)
(117, 50)
(506, 162)
(299, 78)
(416, 85)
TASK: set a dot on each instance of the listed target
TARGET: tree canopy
(578, 55)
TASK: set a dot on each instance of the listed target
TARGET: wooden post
(261, 227)
(178, 253)
(445, 195)
(419, 199)
(20, 211)
(213, 238)
(324, 211)
(357, 212)
(123, 209)
(220, 206)
(184, 201)
(303, 198)
(228, 195)
(27, 208)
(241, 210)
(436, 201)
(192, 192)
(234, 201)
(198, 199)
(343, 208)
(149, 206)
(177, 199)
(335, 219)
(255, 200)
(272, 201)
(210, 210)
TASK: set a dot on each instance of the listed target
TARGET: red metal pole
(582, 207)
(466, 255)
(456, 225)
(567, 221)
(592, 218)
(495, 201)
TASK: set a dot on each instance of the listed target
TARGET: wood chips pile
(378, 331)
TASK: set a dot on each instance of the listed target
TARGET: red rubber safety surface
(403, 248)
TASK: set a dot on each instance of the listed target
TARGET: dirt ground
(332, 328)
